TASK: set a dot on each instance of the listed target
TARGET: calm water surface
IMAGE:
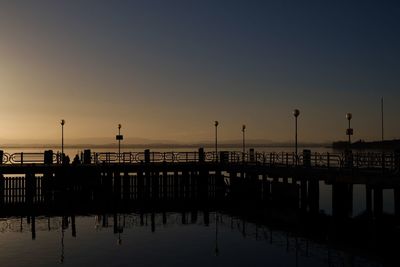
(182, 240)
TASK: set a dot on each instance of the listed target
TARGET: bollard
(87, 158)
(307, 158)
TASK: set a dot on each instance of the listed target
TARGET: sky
(166, 70)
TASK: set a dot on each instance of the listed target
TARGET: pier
(43, 181)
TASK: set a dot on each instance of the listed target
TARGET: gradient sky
(167, 69)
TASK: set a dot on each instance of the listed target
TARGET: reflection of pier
(315, 237)
(142, 178)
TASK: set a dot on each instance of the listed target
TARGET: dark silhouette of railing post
(202, 155)
(348, 158)
(87, 156)
(147, 156)
(306, 158)
(252, 155)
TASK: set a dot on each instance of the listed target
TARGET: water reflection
(195, 237)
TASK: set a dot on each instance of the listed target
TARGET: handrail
(322, 160)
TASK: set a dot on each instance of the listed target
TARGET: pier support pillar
(2, 188)
(378, 201)
(313, 195)
(30, 188)
(342, 200)
(140, 185)
(303, 194)
(126, 187)
(368, 193)
(155, 183)
(397, 201)
(117, 186)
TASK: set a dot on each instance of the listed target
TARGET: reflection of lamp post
(62, 257)
(349, 130)
(296, 113)
(62, 140)
(216, 234)
(216, 140)
(119, 230)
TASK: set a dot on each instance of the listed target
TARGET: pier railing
(284, 159)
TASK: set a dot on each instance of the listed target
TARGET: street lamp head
(243, 127)
(119, 126)
(349, 116)
(216, 123)
(62, 122)
(296, 113)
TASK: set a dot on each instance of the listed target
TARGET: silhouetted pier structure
(278, 179)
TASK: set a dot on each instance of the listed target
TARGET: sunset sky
(166, 70)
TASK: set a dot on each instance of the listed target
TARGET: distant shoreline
(155, 145)
(361, 144)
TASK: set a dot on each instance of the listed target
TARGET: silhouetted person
(76, 160)
(66, 160)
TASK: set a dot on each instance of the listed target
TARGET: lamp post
(216, 140)
(119, 137)
(349, 130)
(296, 113)
(62, 140)
(244, 143)
(382, 121)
